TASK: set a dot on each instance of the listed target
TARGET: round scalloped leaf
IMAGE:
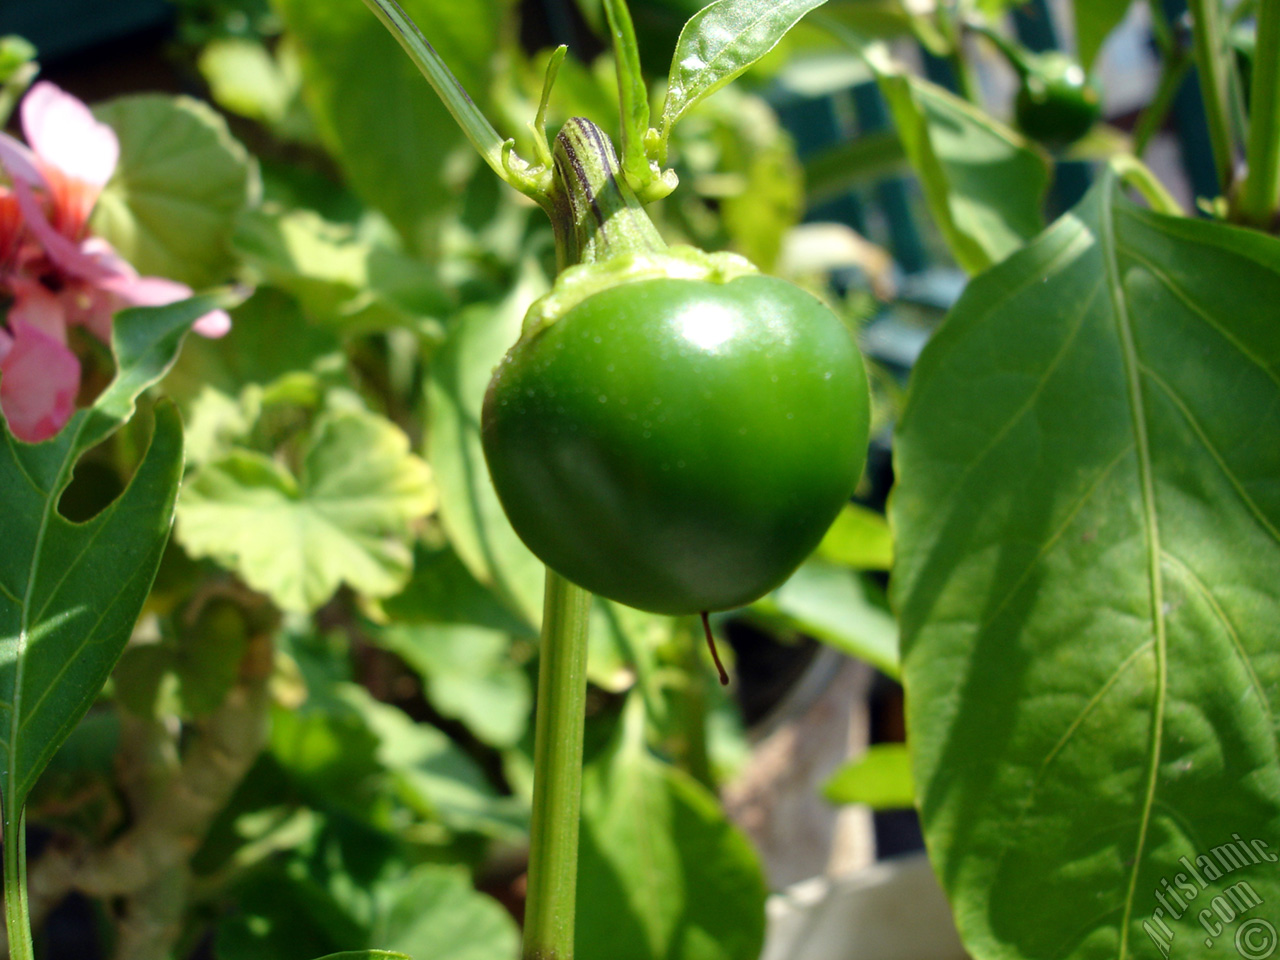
(181, 182)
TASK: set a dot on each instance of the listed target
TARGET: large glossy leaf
(381, 120)
(983, 181)
(70, 592)
(720, 42)
(181, 182)
(1088, 576)
(344, 518)
(663, 875)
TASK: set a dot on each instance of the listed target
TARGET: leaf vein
(1234, 635)
(1177, 401)
(1128, 349)
(1187, 301)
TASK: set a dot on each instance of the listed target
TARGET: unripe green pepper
(673, 430)
(1057, 102)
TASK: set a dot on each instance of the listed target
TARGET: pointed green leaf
(859, 538)
(880, 778)
(182, 180)
(983, 181)
(366, 955)
(1088, 532)
(719, 43)
(662, 875)
(345, 518)
(1095, 19)
(70, 592)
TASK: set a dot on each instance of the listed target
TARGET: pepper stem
(715, 654)
(597, 216)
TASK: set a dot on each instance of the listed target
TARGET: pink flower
(56, 274)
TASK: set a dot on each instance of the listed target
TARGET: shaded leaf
(662, 873)
(469, 675)
(70, 592)
(344, 519)
(1088, 531)
(182, 180)
(1095, 19)
(473, 518)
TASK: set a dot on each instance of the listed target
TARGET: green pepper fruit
(679, 445)
(1057, 102)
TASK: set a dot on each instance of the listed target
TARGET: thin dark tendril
(711, 644)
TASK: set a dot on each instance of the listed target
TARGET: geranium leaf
(182, 180)
(345, 518)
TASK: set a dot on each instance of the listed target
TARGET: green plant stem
(1172, 73)
(557, 781)
(596, 217)
(1137, 175)
(487, 141)
(17, 917)
(1261, 193)
(1212, 69)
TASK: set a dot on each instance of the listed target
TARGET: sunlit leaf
(182, 180)
(720, 42)
(1088, 529)
(859, 538)
(880, 778)
(338, 278)
(983, 181)
(344, 518)
(830, 603)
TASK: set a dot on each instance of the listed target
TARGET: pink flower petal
(38, 307)
(19, 162)
(6, 344)
(65, 254)
(39, 378)
(157, 291)
(62, 132)
(214, 324)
